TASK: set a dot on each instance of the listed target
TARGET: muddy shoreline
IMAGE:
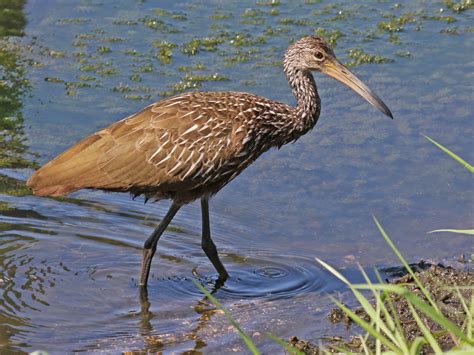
(438, 278)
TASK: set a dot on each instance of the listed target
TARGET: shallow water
(69, 267)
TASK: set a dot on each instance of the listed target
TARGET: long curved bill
(338, 71)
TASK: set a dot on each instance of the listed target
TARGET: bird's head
(314, 54)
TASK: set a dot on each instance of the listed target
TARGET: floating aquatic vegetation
(252, 13)
(103, 49)
(163, 44)
(136, 97)
(144, 68)
(219, 15)
(188, 68)
(459, 6)
(52, 53)
(164, 55)
(135, 77)
(86, 77)
(192, 81)
(50, 79)
(293, 21)
(268, 3)
(74, 21)
(448, 19)
(359, 57)
(192, 47)
(85, 36)
(112, 39)
(241, 56)
(247, 40)
(123, 22)
(122, 88)
(395, 24)
(394, 38)
(450, 31)
(208, 44)
(329, 35)
(157, 25)
(173, 15)
(208, 77)
(79, 43)
(165, 52)
(403, 54)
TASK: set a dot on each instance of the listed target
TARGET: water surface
(69, 267)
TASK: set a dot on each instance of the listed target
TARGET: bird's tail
(68, 172)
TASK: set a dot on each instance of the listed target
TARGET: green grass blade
(366, 326)
(404, 262)
(451, 154)
(365, 347)
(416, 346)
(459, 231)
(425, 331)
(360, 298)
(284, 345)
(428, 310)
(248, 342)
(334, 271)
(389, 325)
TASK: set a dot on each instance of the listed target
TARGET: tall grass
(384, 326)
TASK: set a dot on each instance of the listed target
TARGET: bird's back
(180, 147)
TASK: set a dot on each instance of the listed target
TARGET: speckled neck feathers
(306, 93)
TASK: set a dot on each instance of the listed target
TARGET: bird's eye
(319, 55)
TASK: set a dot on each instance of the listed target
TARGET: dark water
(68, 267)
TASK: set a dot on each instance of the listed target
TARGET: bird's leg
(149, 248)
(207, 244)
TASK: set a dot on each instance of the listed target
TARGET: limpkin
(191, 145)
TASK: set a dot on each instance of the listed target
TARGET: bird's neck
(306, 93)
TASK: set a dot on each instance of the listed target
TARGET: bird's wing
(174, 144)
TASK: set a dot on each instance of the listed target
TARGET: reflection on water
(69, 266)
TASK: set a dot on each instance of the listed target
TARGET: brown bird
(191, 145)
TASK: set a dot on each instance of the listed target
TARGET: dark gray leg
(149, 248)
(207, 244)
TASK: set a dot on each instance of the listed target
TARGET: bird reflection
(203, 308)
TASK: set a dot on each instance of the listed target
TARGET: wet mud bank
(445, 282)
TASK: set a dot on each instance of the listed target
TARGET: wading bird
(191, 145)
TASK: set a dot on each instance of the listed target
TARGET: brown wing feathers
(174, 144)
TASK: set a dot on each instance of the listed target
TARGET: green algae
(359, 56)
(112, 39)
(157, 24)
(293, 21)
(123, 22)
(459, 6)
(52, 79)
(74, 21)
(103, 49)
(450, 31)
(268, 3)
(135, 77)
(331, 36)
(192, 81)
(14, 85)
(164, 55)
(219, 15)
(172, 15)
(136, 97)
(395, 24)
(188, 68)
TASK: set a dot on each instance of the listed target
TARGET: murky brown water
(68, 268)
